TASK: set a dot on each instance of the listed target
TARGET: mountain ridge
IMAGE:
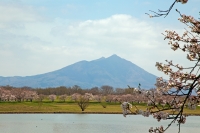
(113, 71)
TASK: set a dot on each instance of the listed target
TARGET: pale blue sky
(39, 36)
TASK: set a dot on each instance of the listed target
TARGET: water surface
(88, 123)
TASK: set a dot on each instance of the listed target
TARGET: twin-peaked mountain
(113, 71)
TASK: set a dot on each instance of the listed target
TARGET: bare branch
(162, 12)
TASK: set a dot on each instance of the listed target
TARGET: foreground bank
(71, 107)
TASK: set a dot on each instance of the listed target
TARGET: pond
(88, 123)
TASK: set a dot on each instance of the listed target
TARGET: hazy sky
(39, 36)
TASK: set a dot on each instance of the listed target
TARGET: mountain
(113, 71)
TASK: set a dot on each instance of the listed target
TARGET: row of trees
(75, 93)
(132, 95)
(103, 90)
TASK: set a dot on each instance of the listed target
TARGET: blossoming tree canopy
(126, 108)
(183, 80)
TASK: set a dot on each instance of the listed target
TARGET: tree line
(61, 90)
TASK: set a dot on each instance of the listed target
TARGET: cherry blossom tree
(4, 94)
(83, 101)
(30, 95)
(52, 97)
(126, 107)
(101, 99)
(63, 97)
(183, 80)
(1, 93)
(98, 98)
(127, 98)
(18, 93)
(40, 97)
(9, 93)
(89, 96)
(75, 96)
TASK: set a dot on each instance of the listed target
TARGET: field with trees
(105, 99)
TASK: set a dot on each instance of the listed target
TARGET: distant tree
(109, 98)
(61, 90)
(30, 95)
(101, 99)
(52, 97)
(89, 96)
(119, 91)
(75, 96)
(106, 89)
(94, 90)
(83, 102)
(63, 97)
(7, 87)
(1, 93)
(116, 98)
(19, 94)
(77, 89)
(127, 98)
(40, 97)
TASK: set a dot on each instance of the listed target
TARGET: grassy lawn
(56, 107)
(69, 107)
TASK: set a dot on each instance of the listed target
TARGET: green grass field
(70, 107)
